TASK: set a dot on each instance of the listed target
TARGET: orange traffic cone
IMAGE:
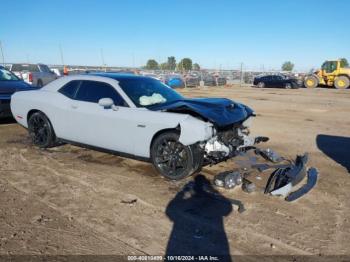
(65, 71)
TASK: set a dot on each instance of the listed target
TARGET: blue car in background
(9, 84)
(174, 81)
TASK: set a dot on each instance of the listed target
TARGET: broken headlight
(247, 123)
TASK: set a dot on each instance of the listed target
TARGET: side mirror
(106, 102)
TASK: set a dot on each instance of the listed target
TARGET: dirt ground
(69, 200)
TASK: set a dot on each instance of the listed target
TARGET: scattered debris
(228, 179)
(248, 186)
(285, 176)
(311, 182)
(263, 166)
(282, 179)
(129, 201)
(269, 155)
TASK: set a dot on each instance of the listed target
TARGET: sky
(261, 34)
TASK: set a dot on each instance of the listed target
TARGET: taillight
(30, 77)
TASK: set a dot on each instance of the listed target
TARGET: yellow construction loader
(332, 73)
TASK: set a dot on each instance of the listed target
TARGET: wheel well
(177, 129)
(31, 112)
(347, 76)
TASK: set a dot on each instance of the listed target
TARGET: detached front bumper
(284, 179)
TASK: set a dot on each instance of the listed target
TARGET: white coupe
(135, 116)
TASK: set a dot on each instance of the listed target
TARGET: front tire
(172, 159)
(41, 131)
(261, 85)
(341, 82)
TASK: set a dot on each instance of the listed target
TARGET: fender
(194, 130)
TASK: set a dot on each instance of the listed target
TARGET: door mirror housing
(106, 102)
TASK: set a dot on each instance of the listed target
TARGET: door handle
(74, 106)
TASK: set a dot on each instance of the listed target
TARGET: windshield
(146, 92)
(6, 75)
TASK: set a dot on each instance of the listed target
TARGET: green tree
(171, 63)
(152, 64)
(196, 67)
(344, 62)
(185, 64)
(164, 66)
(287, 66)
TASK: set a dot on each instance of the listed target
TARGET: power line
(61, 52)
(2, 54)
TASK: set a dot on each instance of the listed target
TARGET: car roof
(119, 76)
(105, 77)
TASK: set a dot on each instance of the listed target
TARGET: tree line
(185, 64)
(288, 65)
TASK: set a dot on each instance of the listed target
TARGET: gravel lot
(69, 200)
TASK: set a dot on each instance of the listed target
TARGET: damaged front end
(230, 141)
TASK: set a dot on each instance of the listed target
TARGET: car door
(278, 81)
(94, 125)
(267, 81)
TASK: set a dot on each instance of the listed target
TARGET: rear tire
(41, 130)
(341, 82)
(261, 85)
(172, 159)
(311, 81)
(39, 83)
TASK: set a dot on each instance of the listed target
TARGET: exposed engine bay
(229, 142)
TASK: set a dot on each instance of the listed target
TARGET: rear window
(24, 67)
(70, 89)
(45, 68)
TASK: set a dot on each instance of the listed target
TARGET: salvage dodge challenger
(137, 117)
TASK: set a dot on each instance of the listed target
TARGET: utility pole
(61, 52)
(240, 84)
(133, 60)
(103, 59)
(2, 54)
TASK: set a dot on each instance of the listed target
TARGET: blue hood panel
(220, 111)
(7, 88)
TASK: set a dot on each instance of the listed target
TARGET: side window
(278, 78)
(70, 89)
(93, 91)
(44, 68)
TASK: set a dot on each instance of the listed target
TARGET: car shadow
(7, 120)
(335, 147)
(197, 212)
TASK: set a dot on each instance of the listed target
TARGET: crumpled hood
(220, 111)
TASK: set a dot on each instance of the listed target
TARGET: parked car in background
(278, 81)
(192, 81)
(174, 81)
(9, 84)
(34, 74)
(137, 117)
(209, 80)
(221, 81)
